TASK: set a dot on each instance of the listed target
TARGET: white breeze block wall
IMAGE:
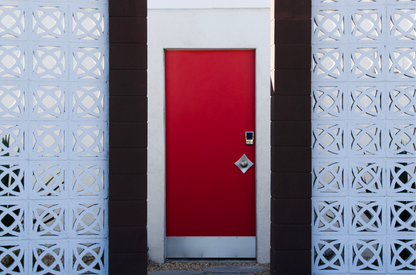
(54, 137)
(364, 136)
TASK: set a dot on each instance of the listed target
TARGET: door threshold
(213, 260)
(211, 247)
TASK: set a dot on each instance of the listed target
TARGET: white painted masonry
(363, 137)
(206, 28)
(53, 137)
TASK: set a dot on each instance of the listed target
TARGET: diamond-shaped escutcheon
(243, 163)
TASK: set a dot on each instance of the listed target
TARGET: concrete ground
(202, 267)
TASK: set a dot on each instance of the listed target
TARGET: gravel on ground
(200, 265)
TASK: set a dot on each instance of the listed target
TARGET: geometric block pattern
(402, 62)
(89, 23)
(366, 62)
(402, 23)
(402, 101)
(328, 139)
(49, 21)
(48, 102)
(367, 178)
(329, 216)
(403, 255)
(88, 102)
(329, 178)
(363, 104)
(329, 256)
(49, 62)
(12, 102)
(13, 220)
(89, 258)
(402, 177)
(88, 219)
(88, 140)
(48, 258)
(54, 137)
(49, 180)
(366, 101)
(402, 215)
(48, 219)
(368, 255)
(402, 139)
(366, 139)
(328, 63)
(367, 215)
(366, 24)
(328, 102)
(88, 63)
(13, 61)
(12, 20)
(88, 180)
(12, 183)
(328, 25)
(48, 140)
(12, 140)
(12, 258)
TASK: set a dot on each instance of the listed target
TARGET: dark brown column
(128, 137)
(290, 139)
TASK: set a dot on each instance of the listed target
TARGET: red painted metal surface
(210, 104)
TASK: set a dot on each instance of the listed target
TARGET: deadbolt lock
(250, 138)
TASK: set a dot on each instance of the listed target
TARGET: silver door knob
(243, 163)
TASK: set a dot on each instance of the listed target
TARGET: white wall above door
(207, 4)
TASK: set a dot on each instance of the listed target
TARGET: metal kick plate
(244, 163)
(210, 247)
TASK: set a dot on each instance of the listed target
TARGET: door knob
(243, 163)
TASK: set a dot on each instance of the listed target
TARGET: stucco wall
(206, 29)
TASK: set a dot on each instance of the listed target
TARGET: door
(210, 183)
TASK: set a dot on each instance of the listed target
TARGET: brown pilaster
(128, 137)
(290, 122)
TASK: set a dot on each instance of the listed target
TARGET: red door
(210, 105)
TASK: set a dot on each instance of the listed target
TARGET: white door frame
(206, 29)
